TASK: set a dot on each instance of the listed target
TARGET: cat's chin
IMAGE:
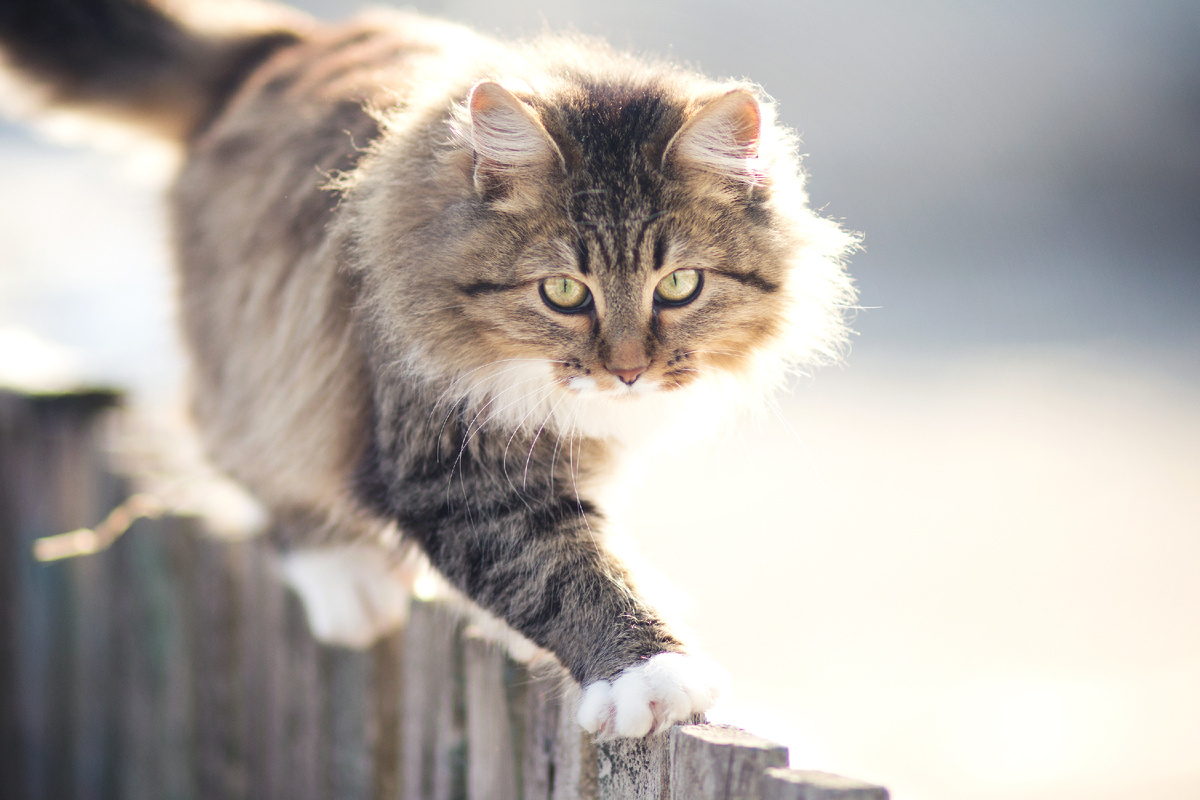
(588, 387)
(646, 413)
(636, 415)
(526, 394)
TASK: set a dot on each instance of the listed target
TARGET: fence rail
(174, 665)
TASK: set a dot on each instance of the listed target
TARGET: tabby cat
(431, 285)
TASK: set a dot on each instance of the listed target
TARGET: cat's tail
(167, 70)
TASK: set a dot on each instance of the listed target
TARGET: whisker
(517, 362)
(493, 414)
(453, 395)
(471, 428)
(562, 435)
(547, 391)
(533, 444)
(576, 440)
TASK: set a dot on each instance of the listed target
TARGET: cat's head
(607, 243)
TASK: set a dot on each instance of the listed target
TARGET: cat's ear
(722, 138)
(509, 140)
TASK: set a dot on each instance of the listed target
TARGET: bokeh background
(964, 564)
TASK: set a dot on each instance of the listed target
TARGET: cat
(433, 285)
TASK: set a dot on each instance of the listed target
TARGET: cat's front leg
(544, 570)
(533, 553)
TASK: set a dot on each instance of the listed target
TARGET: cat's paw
(351, 595)
(651, 696)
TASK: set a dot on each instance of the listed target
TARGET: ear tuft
(507, 137)
(721, 138)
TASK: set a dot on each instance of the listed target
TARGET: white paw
(351, 595)
(651, 696)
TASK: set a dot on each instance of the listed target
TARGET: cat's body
(430, 281)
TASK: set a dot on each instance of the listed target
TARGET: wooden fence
(173, 665)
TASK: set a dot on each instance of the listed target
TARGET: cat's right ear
(722, 138)
(509, 141)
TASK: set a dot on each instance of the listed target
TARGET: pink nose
(628, 376)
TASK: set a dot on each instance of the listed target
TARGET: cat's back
(264, 306)
(306, 113)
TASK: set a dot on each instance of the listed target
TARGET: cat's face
(574, 257)
(627, 273)
(674, 308)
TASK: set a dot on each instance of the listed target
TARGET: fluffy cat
(431, 284)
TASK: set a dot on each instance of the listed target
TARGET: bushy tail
(135, 61)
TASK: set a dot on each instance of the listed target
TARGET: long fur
(364, 217)
(132, 61)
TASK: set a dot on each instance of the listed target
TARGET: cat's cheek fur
(582, 385)
(650, 697)
(350, 594)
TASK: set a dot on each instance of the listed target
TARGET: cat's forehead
(609, 204)
(614, 122)
(615, 137)
(618, 230)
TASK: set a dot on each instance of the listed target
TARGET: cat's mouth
(589, 386)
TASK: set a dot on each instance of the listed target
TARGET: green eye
(565, 294)
(680, 287)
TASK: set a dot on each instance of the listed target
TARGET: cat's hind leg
(352, 594)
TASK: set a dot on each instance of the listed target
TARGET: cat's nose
(627, 358)
(629, 374)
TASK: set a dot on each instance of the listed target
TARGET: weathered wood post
(792, 784)
(719, 762)
(51, 480)
(495, 703)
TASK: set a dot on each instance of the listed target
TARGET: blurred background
(964, 564)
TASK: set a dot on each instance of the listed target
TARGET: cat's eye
(565, 294)
(680, 287)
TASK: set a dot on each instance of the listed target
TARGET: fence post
(214, 581)
(387, 657)
(96, 677)
(491, 728)
(50, 481)
(303, 712)
(720, 762)
(542, 712)
(154, 665)
(265, 665)
(794, 784)
(432, 736)
(633, 769)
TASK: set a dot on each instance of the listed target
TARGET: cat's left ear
(722, 138)
(509, 140)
